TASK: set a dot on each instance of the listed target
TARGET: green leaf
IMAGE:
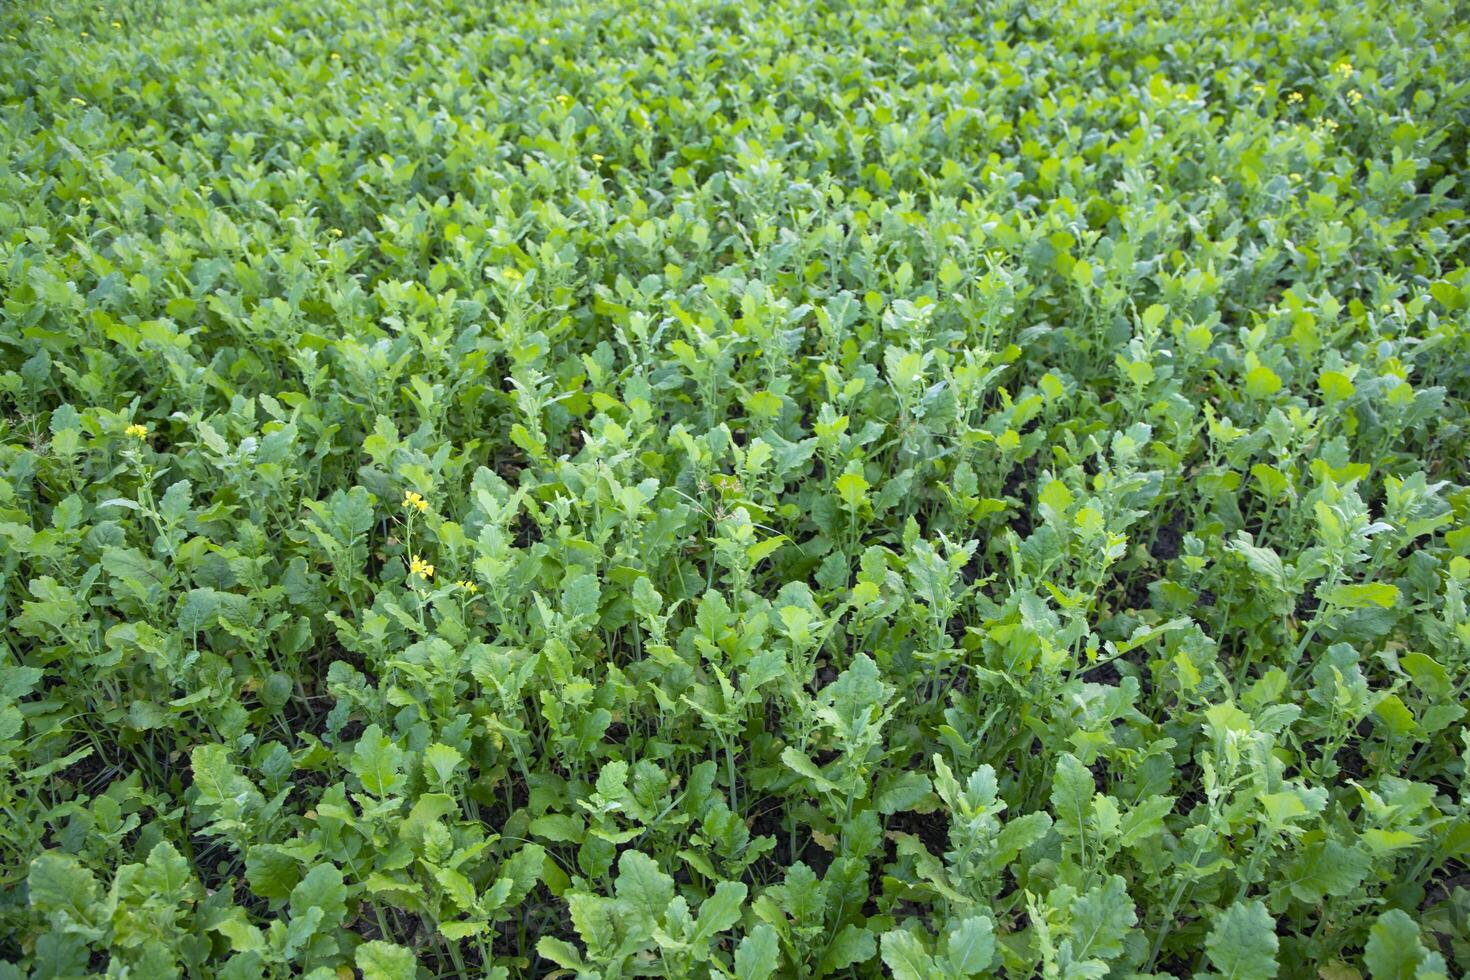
(1017, 835)
(1325, 868)
(525, 868)
(456, 931)
(758, 954)
(322, 889)
(1145, 820)
(1242, 944)
(379, 960)
(804, 766)
(645, 888)
(271, 871)
(905, 957)
(1396, 952)
(1071, 794)
(721, 910)
(762, 550)
(902, 792)
(852, 487)
(175, 501)
(59, 883)
(852, 944)
(1101, 919)
(971, 945)
(243, 935)
(560, 952)
(442, 760)
(167, 874)
(1153, 316)
(593, 919)
(557, 827)
(1378, 594)
(378, 763)
(580, 597)
(457, 888)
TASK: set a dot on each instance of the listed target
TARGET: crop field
(703, 489)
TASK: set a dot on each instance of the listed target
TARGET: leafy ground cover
(704, 489)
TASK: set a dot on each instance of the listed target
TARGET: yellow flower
(137, 431)
(468, 586)
(420, 568)
(1355, 97)
(1293, 98)
(411, 499)
(1258, 88)
(1344, 68)
(598, 158)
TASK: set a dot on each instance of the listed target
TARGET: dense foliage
(705, 489)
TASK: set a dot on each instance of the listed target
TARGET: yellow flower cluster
(1292, 98)
(421, 568)
(137, 431)
(1355, 97)
(415, 501)
(1344, 68)
(468, 586)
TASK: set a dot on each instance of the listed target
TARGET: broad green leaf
(1071, 795)
(1101, 919)
(903, 792)
(852, 488)
(168, 875)
(641, 884)
(60, 883)
(1395, 950)
(378, 763)
(905, 957)
(721, 910)
(322, 890)
(803, 766)
(852, 944)
(1145, 820)
(379, 960)
(757, 955)
(1325, 868)
(1242, 943)
(1378, 594)
(442, 760)
(971, 945)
